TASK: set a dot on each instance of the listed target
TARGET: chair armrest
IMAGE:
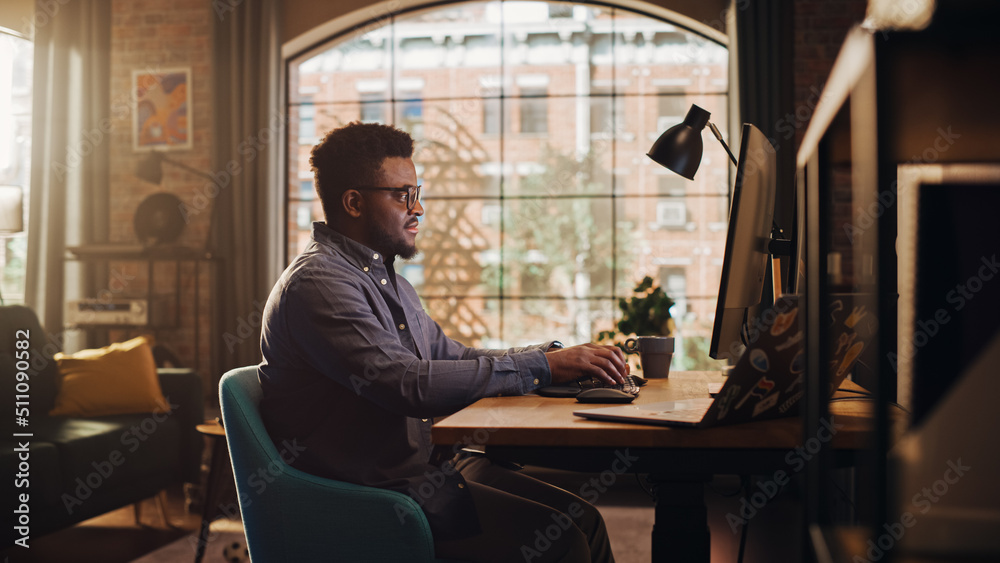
(182, 387)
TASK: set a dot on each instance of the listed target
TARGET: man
(355, 370)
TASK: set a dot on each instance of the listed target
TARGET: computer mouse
(604, 396)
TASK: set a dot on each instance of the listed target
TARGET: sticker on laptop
(844, 342)
(759, 361)
(849, 357)
(726, 400)
(790, 402)
(796, 383)
(784, 322)
(798, 364)
(792, 341)
(835, 307)
(766, 403)
(856, 315)
(763, 387)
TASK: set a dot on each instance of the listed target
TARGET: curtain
(68, 201)
(766, 86)
(249, 127)
(766, 91)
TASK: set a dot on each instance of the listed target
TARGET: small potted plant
(647, 313)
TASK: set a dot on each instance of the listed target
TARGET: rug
(628, 527)
(225, 538)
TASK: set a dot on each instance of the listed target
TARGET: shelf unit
(893, 98)
(151, 256)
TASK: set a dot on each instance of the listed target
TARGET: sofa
(69, 468)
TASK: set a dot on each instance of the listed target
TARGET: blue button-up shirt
(354, 369)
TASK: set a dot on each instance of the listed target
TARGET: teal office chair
(300, 517)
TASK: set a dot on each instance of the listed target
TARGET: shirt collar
(356, 253)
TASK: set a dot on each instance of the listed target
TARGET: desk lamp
(11, 213)
(679, 148)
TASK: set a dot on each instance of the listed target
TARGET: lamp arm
(215, 207)
(718, 135)
(194, 171)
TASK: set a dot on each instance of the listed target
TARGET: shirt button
(461, 485)
(365, 268)
(536, 382)
(402, 326)
(375, 256)
(423, 420)
(383, 281)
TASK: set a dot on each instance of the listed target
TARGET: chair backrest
(289, 515)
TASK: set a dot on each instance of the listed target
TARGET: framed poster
(161, 117)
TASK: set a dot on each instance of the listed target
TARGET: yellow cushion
(117, 379)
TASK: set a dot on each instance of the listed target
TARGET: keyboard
(631, 386)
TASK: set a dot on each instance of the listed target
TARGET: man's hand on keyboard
(606, 363)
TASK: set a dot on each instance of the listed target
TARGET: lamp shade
(150, 168)
(11, 209)
(680, 147)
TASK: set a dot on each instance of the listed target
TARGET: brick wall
(820, 27)
(153, 35)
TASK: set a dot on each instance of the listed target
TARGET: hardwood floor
(111, 538)
(115, 538)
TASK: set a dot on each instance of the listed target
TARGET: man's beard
(391, 245)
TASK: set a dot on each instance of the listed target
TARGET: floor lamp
(11, 217)
(150, 169)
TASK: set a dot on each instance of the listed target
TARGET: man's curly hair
(352, 156)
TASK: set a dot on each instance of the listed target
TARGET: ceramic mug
(655, 353)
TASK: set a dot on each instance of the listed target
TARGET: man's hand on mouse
(606, 363)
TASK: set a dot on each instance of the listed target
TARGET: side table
(220, 471)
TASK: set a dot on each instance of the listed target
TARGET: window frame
(299, 50)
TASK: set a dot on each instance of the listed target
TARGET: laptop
(766, 381)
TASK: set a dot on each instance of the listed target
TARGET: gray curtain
(69, 155)
(766, 82)
(766, 79)
(249, 128)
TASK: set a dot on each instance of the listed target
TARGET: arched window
(532, 120)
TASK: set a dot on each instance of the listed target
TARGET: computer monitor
(744, 266)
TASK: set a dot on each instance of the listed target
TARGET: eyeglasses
(412, 193)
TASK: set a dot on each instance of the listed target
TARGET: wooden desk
(543, 431)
